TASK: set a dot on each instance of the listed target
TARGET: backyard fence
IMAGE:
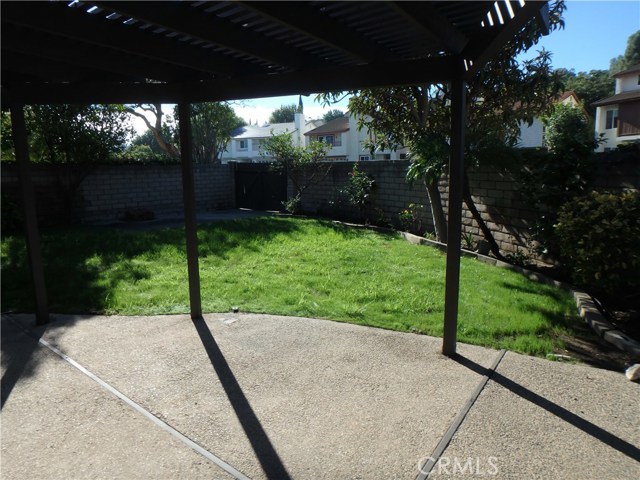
(105, 193)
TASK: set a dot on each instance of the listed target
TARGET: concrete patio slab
(541, 419)
(275, 397)
(285, 397)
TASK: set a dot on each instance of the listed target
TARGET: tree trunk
(437, 212)
(488, 236)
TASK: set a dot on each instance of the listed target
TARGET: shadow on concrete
(562, 413)
(262, 446)
(17, 353)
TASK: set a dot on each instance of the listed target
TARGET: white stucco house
(246, 141)
(618, 116)
(532, 136)
(348, 144)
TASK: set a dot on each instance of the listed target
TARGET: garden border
(584, 302)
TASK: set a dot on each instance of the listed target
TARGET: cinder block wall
(107, 191)
(495, 194)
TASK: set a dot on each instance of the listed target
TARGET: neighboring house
(532, 136)
(348, 143)
(246, 141)
(618, 116)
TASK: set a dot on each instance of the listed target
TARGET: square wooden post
(189, 196)
(454, 224)
(21, 146)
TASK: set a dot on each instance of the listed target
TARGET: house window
(243, 144)
(638, 79)
(612, 119)
(257, 144)
(364, 158)
(333, 140)
(403, 156)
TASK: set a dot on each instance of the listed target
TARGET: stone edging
(585, 304)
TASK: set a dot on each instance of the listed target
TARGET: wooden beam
(76, 24)
(432, 23)
(505, 33)
(182, 18)
(39, 69)
(454, 220)
(300, 18)
(19, 133)
(68, 52)
(189, 196)
(414, 72)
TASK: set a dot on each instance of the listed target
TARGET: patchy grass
(290, 267)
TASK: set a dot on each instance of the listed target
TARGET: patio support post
(29, 209)
(454, 226)
(190, 224)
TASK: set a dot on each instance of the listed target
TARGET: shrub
(599, 238)
(358, 188)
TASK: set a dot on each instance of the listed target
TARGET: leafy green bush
(599, 237)
(358, 188)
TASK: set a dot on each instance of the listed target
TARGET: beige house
(348, 144)
(618, 116)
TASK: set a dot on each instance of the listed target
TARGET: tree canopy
(630, 57)
(71, 134)
(332, 115)
(588, 86)
(501, 96)
(284, 114)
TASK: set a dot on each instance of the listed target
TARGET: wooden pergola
(184, 52)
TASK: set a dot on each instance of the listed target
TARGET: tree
(500, 96)
(211, 127)
(552, 179)
(303, 166)
(77, 134)
(332, 115)
(284, 114)
(589, 87)
(159, 129)
(74, 137)
(631, 55)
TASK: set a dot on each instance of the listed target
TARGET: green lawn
(289, 266)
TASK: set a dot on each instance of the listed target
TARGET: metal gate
(258, 187)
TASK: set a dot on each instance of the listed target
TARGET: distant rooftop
(635, 68)
(340, 124)
(265, 131)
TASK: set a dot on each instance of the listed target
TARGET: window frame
(611, 119)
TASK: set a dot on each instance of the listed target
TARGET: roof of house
(264, 131)
(337, 125)
(618, 98)
(559, 99)
(635, 68)
(564, 95)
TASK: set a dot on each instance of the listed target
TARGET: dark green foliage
(148, 139)
(284, 114)
(211, 127)
(76, 134)
(304, 166)
(11, 214)
(588, 86)
(359, 187)
(568, 132)
(332, 115)
(599, 236)
(551, 179)
(631, 55)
